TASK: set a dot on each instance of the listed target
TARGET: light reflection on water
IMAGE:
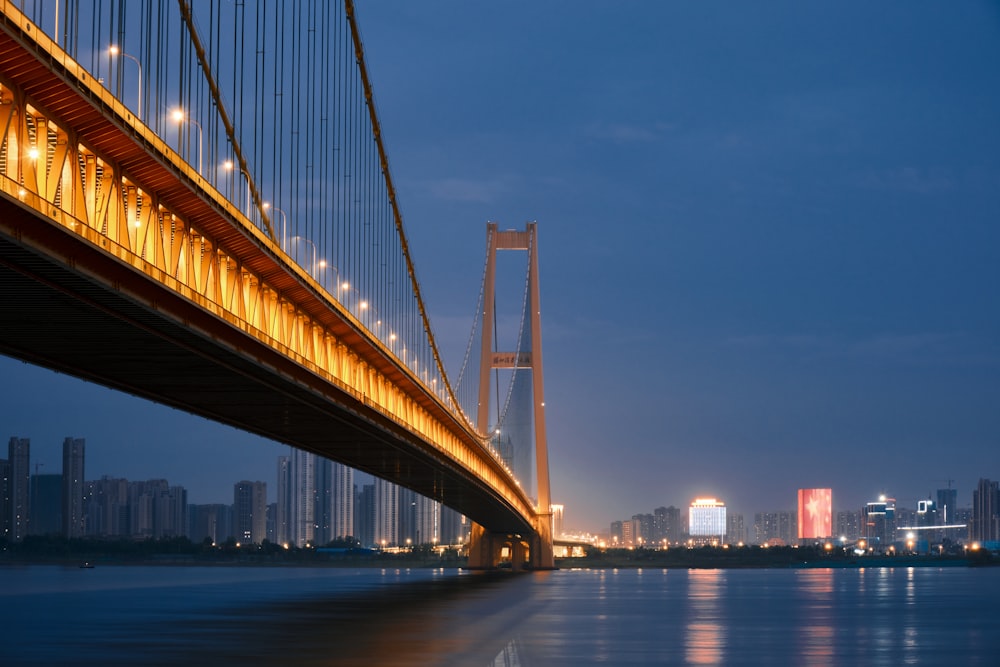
(706, 637)
(328, 616)
(816, 632)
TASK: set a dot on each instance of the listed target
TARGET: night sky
(769, 238)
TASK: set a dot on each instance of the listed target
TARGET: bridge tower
(485, 547)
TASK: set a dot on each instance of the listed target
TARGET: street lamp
(284, 221)
(113, 50)
(178, 116)
(229, 165)
(316, 265)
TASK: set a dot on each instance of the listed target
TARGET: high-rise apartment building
(250, 512)
(213, 522)
(454, 527)
(736, 530)
(364, 515)
(642, 530)
(878, 523)
(19, 503)
(419, 519)
(72, 487)
(4, 499)
(107, 509)
(667, 525)
(386, 513)
(283, 502)
(272, 512)
(616, 536)
(947, 505)
(848, 525)
(628, 534)
(334, 501)
(815, 515)
(985, 525)
(775, 528)
(156, 509)
(302, 490)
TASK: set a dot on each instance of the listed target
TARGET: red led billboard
(815, 513)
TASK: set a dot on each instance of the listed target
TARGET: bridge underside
(123, 332)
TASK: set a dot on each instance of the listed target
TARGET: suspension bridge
(196, 207)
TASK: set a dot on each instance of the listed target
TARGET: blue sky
(769, 237)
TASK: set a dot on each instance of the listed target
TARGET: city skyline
(272, 481)
(316, 500)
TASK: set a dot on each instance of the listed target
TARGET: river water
(163, 615)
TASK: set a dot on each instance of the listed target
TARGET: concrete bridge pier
(542, 556)
(489, 551)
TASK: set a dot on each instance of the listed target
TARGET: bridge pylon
(534, 551)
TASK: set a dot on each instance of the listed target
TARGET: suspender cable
(217, 97)
(391, 192)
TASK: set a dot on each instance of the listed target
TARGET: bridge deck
(57, 318)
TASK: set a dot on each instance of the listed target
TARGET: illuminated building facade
(878, 523)
(927, 514)
(947, 505)
(707, 518)
(628, 533)
(815, 513)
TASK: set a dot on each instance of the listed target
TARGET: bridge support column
(542, 556)
(485, 548)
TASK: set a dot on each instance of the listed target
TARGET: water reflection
(706, 636)
(306, 616)
(816, 634)
(474, 616)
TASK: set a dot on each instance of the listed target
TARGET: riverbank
(180, 552)
(765, 557)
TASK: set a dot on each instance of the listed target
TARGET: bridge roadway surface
(68, 305)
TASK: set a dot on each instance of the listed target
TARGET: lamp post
(178, 116)
(316, 265)
(284, 222)
(113, 50)
(229, 165)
